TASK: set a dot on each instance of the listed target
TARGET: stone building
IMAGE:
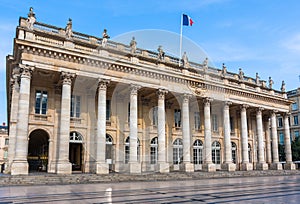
(3, 145)
(78, 104)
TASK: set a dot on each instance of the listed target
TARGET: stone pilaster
(185, 118)
(63, 164)
(14, 91)
(246, 166)
(208, 165)
(227, 165)
(163, 166)
(261, 165)
(289, 165)
(268, 140)
(20, 164)
(275, 164)
(134, 164)
(101, 166)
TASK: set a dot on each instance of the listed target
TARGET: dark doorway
(75, 156)
(38, 148)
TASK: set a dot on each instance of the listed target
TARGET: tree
(296, 149)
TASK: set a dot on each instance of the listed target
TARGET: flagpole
(180, 46)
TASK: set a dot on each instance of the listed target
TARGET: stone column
(246, 166)
(14, 91)
(186, 166)
(275, 164)
(63, 164)
(20, 164)
(101, 166)
(163, 166)
(261, 165)
(289, 165)
(134, 165)
(227, 165)
(208, 165)
(268, 141)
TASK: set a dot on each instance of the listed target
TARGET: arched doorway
(76, 151)
(38, 148)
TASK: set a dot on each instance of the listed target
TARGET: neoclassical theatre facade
(82, 103)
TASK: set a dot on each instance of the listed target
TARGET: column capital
(286, 114)
(25, 70)
(161, 93)
(274, 112)
(244, 107)
(102, 83)
(67, 77)
(185, 98)
(207, 101)
(134, 89)
(259, 110)
(227, 104)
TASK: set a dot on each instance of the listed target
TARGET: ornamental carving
(161, 94)
(198, 89)
(207, 101)
(134, 89)
(67, 77)
(25, 70)
(244, 107)
(102, 84)
(185, 98)
(227, 104)
(259, 110)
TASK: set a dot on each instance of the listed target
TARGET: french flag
(186, 20)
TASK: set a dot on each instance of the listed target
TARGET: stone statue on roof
(68, 29)
(283, 87)
(224, 70)
(185, 61)
(105, 37)
(161, 53)
(271, 82)
(241, 74)
(257, 78)
(31, 19)
(133, 44)
(205, 64)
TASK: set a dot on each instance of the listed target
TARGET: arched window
(75, 137)
(127, 150)
(153, 150)
(197, 152)
(249, 153)
(216, 152)
(177, 151)
(233, 152)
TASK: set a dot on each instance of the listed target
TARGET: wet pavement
(271, 189)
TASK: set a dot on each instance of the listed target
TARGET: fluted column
(208, 165)
(101, 166)
(289, 165)
(63, 164)
(163, 166)
(268, 140)
(261, 153)
(246, 166)
(275, 164)
(14, 88)
(20, 164)
(135, 166)
(185, 118)
(227, 165)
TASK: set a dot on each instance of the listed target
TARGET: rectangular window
(5, 154)
(296, 133)
(294, 106)
(280, 124)
(281, 138)
(41, 100)
(75, 106)
(177, 117)
(231, 124)
(154, 116)
(197, 121)
(108, 110)
(296, 122)
(6, 141)
(215, 122)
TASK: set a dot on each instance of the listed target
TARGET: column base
(119, 167)
(262, 166)
(289, 166)
(19, 168)
(164, 167)
(102, 168)
(187, 167)
(209, 167)
(228, 167)
(246, 167)
(135, 168)
(64, 168)
(51, 167)
(276, 166)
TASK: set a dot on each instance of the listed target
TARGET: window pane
(77, 106)
(44, 102)
(37, 102)
(296, 120)
(108, 110)
(197, 120)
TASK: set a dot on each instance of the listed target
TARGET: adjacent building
(81, 103)
(3, 146)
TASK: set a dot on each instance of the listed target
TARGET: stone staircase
(54, 179)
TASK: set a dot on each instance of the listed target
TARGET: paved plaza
(270, 189)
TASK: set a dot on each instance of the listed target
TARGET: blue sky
(257, 35)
